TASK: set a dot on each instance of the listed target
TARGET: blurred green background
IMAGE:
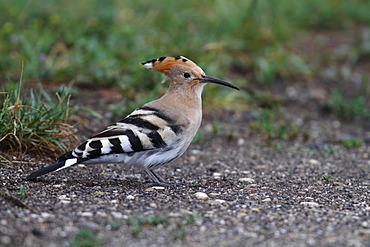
(104, 41)
(269, 48)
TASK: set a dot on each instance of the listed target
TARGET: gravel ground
(229, 192)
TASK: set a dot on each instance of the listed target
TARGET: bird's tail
(52, 168)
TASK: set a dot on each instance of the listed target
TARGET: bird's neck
(192, 93)
(182, 104)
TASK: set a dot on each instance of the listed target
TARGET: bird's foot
(158, 179)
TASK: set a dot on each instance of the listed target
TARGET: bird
(154, 134)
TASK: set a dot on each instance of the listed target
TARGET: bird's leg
(158, 179)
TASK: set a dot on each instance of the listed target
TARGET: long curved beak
(207, 78)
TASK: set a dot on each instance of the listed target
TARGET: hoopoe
(154, 134)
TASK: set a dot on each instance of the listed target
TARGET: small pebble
(310, 204)
(89, 225)
(174, 215)
(240, 214)
(255, 209)
(62, 197)
(101, 214)
(201, 196)
(158, 187)
(86, 214)
(149, 189)
(192, 158)
(216, 175)
(34, 216)
(214, 194)
(241, 142)
(130, 197)
(46, 215)
(266, 200)
(117, 215)
(314, 162)
(247, 180)
(217, 201)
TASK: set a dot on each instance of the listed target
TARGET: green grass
(85, 238)
(4, 240)
(36, 123)
(22, 192)
(353, 142)
(347, 108)
(327, 179)
(327, 149)
(113, 225)
(139, 222)
(273, 124)
(180, 232)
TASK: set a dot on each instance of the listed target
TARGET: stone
(130, 197)
(314, 162)
(220, 201)
(86, 214)
(201, 196)
(46, 215)
(246, 180)
(117, 215)
(241, 142)
(217, 202)
(158, 188)
(310, 204)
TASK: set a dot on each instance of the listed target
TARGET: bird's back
(143, 137)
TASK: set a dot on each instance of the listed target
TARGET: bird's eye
(186, 75)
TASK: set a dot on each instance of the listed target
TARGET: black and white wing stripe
(144, 129)
(146, 137)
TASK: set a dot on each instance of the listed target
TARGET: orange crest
(164, 64)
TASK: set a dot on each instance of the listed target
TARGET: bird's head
(183, 71)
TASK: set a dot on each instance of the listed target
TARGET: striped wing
(144, 129)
